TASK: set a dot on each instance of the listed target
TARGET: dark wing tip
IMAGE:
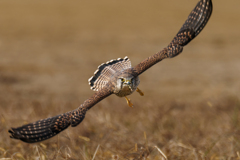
(12, 133)
(47, 128)
(198, 18)
(205, 9)
(30, 134)
(194, 24)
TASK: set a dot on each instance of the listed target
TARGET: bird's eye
(123, 80)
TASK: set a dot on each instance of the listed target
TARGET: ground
(191, 107)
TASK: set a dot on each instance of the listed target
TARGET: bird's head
(125, 82)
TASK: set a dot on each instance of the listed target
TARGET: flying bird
(116, 77)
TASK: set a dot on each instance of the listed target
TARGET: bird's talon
(129, 102)
(140, 92)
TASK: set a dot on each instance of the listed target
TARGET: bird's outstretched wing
(196, 21)
(47, 128)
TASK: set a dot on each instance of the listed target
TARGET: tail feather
(105, 71)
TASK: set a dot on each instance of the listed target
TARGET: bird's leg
(129, 102)
(140, 92)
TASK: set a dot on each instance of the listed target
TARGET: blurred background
(49, 49)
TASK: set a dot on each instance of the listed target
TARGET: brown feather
(194, 24)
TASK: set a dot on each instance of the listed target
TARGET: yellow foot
(129, 102)
(140, 92)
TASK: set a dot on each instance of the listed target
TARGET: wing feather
(49, 127)
(194, 24)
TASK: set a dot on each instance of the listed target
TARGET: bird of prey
(116, 77)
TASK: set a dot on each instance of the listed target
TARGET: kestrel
(116, 77)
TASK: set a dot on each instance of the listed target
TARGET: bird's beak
(128, 82)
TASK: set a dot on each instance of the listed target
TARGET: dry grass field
(191, 107)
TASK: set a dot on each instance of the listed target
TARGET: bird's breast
(126, 90)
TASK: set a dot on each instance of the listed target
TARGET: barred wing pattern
(196, 21)
(47, 128)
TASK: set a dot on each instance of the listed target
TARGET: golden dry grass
(191, 107)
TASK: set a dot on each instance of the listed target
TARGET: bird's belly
(125, 91)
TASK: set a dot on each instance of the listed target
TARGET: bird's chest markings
(127, 90)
